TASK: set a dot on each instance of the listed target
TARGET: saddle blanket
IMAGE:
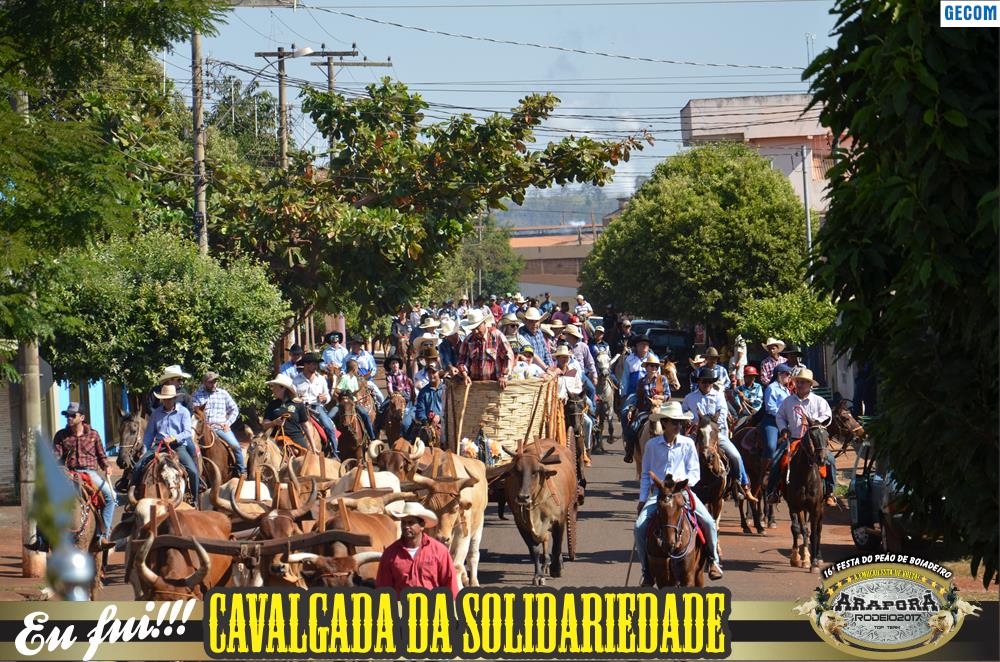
(791, 451)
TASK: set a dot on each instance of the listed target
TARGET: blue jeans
(230, 438)
(183, 456)
(363, 415)
(377, 393)
(590, 390)
(319, 413)
(108, 514)
(588, 429)
(700, 511)
(769, 427)
(775, 474)
(735, 459)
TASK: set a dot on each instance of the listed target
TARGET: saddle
(786, 459)
(91, 493)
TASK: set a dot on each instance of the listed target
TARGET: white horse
(605, 400)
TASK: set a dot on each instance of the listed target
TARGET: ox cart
(492, 424)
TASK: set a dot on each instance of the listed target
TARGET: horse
(212, 448)
(605, 401)
(265, 455)
(163, 477)
(574, 411)
(394, 411)
(750, 442)
(845, 428)
(131, 429)
(353, 439)
(85, 529)
(675, 554)
(670, 372)
(712, 485)
(804, 494)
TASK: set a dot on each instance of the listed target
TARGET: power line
(564, 49)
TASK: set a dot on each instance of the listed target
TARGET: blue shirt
(219, 405)
(700, 405)
(288, 368)
(774, 395)
(599, 347)
(366, 363)
(430, 399)
(173, 423)
(753, 393)
(333, 356)
(634, 371)
(547, 306)
(537, 342)
(679, 459)
(721, 377)
(448, 353)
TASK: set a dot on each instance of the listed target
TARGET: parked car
(640, 327)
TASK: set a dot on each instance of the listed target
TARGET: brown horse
(674, 552)
(130, 430)
(394, 416)
(750, 442)
(804, 494)
(353, 440)
(85, 529)
(712, 485)
(212, 448)
(845, 428)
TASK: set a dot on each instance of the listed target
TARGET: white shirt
(679, 459)
(309, 391)
(700, 405)
(527, 370)
(815, 407)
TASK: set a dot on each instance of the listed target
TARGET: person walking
(416, 560)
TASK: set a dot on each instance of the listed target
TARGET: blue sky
(600, 94)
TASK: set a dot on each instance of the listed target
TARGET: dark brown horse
(712, 485)
(352, 439)
(675, 554)
(845, 428)
(804, 494)
(212, 448)
(394, 411)
(130, 430)
(750, 442)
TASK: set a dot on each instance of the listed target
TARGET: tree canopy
(909, 247)
(713, 227)
(799, 316)
(487, 248)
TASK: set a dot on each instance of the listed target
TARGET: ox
(401, 458)
(359, 478)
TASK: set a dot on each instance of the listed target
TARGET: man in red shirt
(416, 560)
(79, 447)
(485, 353)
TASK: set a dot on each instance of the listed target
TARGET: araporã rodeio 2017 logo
(886, 606)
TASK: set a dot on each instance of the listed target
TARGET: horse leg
(794, 560)
(815, 533)
(744, 506)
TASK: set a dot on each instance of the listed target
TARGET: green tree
(798, 316)
(486, 248)
(713, 227)
(247, 115)
(140, 304)
(909, 247)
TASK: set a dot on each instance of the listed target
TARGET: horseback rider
(707, 400)
(793, 358)
(569, 372)
(625, 336)
(333, 355)
(314, 391)
(221, 412)
(597, 343)
(791, 420)
(397, 381)
(448, 347)
(774, 395)
(635, 370)
(174, 376)
(366, 366)
(711, 357)
(400, 330)
(429, 407)
(170, 425)
(672, 453)
(574, 338)
(350, 384)
(291, 366)
(772, 360)
(285, 412)
(745, 400)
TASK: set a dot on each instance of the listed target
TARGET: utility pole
(198, 118)
(330, 64)
(806, 184)
(281, 54)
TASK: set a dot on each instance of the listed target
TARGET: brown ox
(381, 528)
(180, 574)
(333, 571)
(401, 458)
(541, 491)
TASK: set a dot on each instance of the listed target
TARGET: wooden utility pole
(198, 121)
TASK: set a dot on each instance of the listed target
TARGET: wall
(8, 449)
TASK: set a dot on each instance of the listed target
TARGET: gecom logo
(886, 606)
(970, 14)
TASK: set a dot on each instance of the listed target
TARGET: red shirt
(485, 358)
(431, 567)
(80, 452)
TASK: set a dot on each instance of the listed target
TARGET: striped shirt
(486, 357)
(219, 406)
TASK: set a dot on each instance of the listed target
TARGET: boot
(647, 580)
(748, 493)
(715, 572)
(629, 449)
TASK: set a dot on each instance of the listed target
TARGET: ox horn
(417, 450)
(299, 557)
(216, 500)
(146, 574)
(468, 482)
(234, 503)
(392, 497)
(131, 496)
(420, 479)
(347, 465)
(307, 506)
(375, 449)
(201, 572)
(361, 558)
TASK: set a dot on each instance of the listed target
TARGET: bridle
(683, 524)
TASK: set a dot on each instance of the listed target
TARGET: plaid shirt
(485, 358)
(537, 342)
(400, 383)
(220, 408)
(85, 451)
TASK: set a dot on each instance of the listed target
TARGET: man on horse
(314, 391)
(401, 330)
(635, 371)
(674, 454)
(485, 353)
(367, 367)
(597, 343)
(333, 355)
(448, 347)
(794, 415)
(625, 337)
(531, 334)
(793, 358)
(80, 449)
(745, 400)
(429, 406)
(220, 414)
(772, 360)
(712, 364)
(174, 376)
(291, 366)
(706, 400)
(397, 381)
(170, 426)
(574, 338)
(350, 384)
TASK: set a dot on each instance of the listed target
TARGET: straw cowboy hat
(449, 327)
(712, 353)
(573, 330)
(473, 320)
(509, 318)
(548, 331)
(598, 329)
(518, 298)
(651, 360)
(283, 380)
(697, 361)
(806, 375)
(672, 410)
(416, 509)
(172, 372)
(562, 350)
(430, 324)
(170, 391)
(774, 341)
(424, 340)
(530, 315)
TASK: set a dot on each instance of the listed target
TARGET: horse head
(130, 430)
(670, 504)
(844, 425)
(707, 441)
(167, 472)
(603, 363)
(815, 440)
(397, 407)
(263, 452)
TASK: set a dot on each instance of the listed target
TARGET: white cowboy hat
(774, 341)
(169, 391)
(425, 339)
(519, 298)
(509, 318)
(172, 372)
(473, 320)
(283, 380)
(448, 327)
(416, 509)
(696, 361)
(562, 350)
(652, 360)
(547, 330)
(430, 324)
(573, 330)
(530, 315)
(598, 329)
(672, 410)
(806, 375)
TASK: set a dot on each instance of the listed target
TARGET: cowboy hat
(167, 392)
(431, 323)
(518, 298)
(210, 376)
(805, 375)
(295, 349)
(672, 410)
(530, 315)
(557, 326)
(424, 340)
(509, 318)
(562, 350)
(547, 330)
(697, 361)
(415, 509)
(449, 327)
(707, 375)
(172, 372)
(311, 357)
(651, 360)
(283, 380)
(334, 336)
(711, 353)
(356, 340)
(791, 349)
(598, 329)
(573, 330)
(774, 341)
(473, 320)
(781, 368)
